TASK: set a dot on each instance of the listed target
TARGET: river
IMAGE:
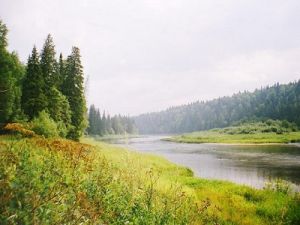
(253, 165)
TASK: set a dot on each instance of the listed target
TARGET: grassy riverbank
(114, 137)
(267, 132)
(55, 181)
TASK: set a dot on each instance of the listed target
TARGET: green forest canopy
(278, 102)
(106, 125)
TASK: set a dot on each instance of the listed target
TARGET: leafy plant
(44, 125)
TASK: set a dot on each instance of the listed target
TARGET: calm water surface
(252, 165)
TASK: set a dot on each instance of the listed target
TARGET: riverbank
(114, 137)
(59, 181)
(213, 136)
(255, 132)
(226, 202)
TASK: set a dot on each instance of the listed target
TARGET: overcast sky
(147, 55)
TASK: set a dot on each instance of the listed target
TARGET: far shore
(245, 142)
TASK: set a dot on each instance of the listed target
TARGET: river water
(253, 165)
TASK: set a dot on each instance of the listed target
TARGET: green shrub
(44, 125)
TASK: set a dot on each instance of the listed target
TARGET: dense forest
(106, 125)
(45, 93)
(278, 102)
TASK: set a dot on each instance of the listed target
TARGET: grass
(213, 136)
(56, 181)
(115, 136)
(266, 132)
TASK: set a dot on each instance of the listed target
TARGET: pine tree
(49, 65)
(74, 90)
(11, 73)
(104, 124)
(3, 35)
(62, 72)
(92, 129)
(33, 97)
(109, 125)
(99, 123)
(53, 74)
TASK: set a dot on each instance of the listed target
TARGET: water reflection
(245, 164)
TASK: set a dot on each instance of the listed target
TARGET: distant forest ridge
(278, 102)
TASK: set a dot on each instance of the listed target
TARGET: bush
(17, 128)
(44, 125)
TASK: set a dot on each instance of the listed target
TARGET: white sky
(147, 55)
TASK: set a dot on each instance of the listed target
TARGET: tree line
(45, 86)
(278, 102)
(105, 124)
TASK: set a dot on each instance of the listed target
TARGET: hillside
(280, 102)
(57, 181)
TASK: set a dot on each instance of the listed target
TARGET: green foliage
(3, 35)
(62, 71)
(11, 73)
(63, 182)
(59, 109)
(278, 102)
(49, 65)
(74, 91)
(33, 98)
(44, 125)
(267, 126)
(41, 88)
(268, 131)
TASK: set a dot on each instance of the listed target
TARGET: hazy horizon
(146, 56)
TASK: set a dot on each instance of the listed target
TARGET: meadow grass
(56, 181)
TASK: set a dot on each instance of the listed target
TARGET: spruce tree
(92, 129)
(53, 73)
(74, 90)
(99, 122)
(49, 65)
(104, 124)
(108, 125)
(11, 73)
(61, 70)
(33, 97)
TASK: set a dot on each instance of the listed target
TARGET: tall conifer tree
(49, 65)
(11, 73)
(61, 70)
(33, 97)
(74, 90)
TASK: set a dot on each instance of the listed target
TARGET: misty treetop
(106, 125)
(278, 102)
(44, 86)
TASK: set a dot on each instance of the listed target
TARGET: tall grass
(62, 182)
